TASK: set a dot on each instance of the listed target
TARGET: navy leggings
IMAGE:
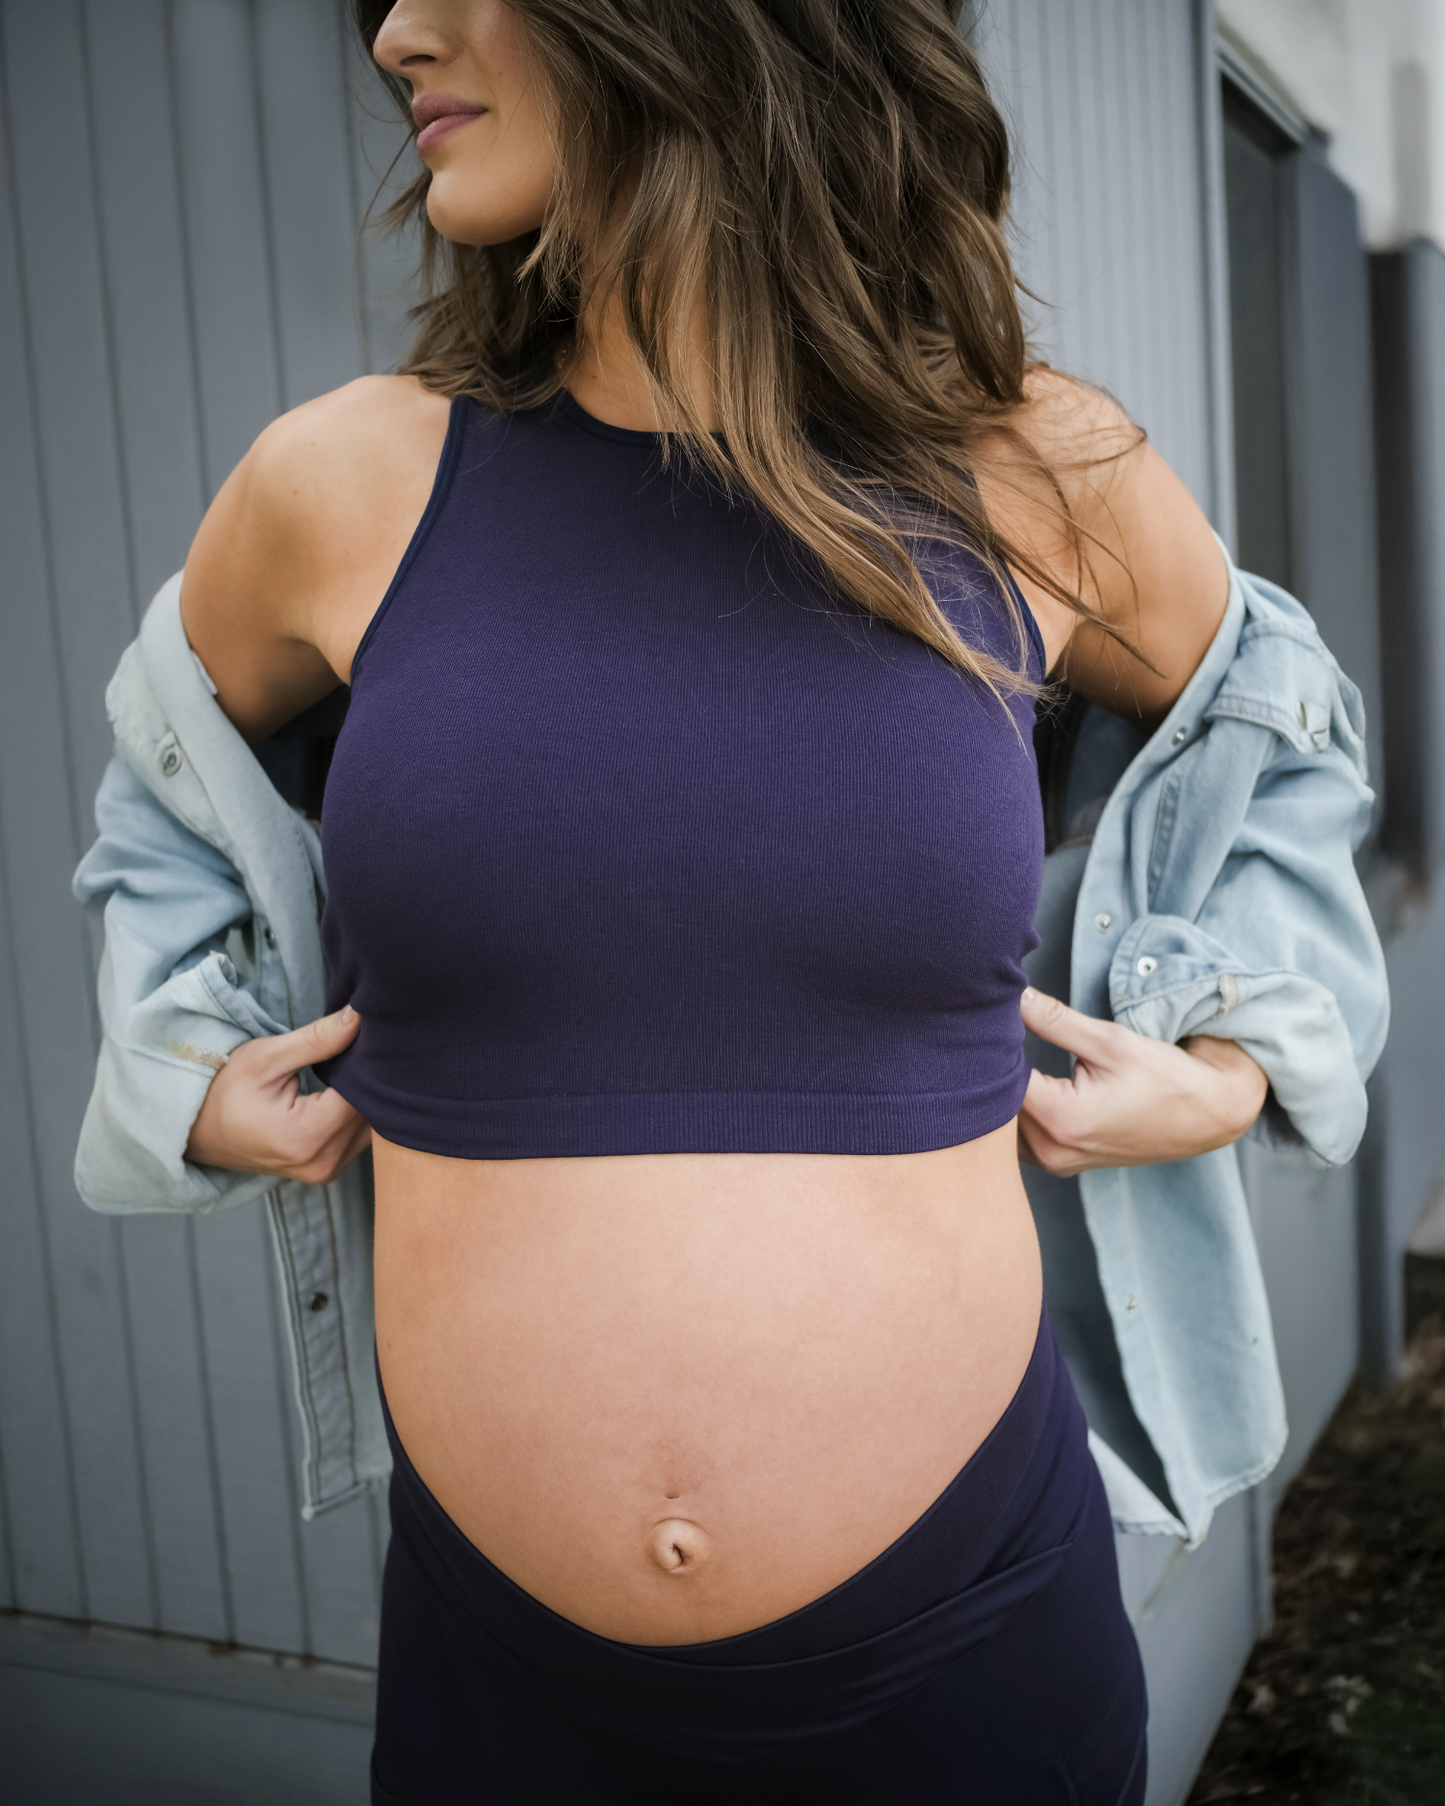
(983, 1659)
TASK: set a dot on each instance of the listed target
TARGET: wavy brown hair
(831, 178)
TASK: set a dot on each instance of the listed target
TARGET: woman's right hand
(256, 1118)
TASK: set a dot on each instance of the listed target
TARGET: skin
(677, 1395)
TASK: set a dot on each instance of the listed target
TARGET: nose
(409, 41)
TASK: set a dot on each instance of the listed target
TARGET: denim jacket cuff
(156, 1063)
(1170, 979)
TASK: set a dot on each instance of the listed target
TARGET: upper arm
(295, 553)
(1141, 553)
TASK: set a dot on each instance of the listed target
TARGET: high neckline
(569, 408)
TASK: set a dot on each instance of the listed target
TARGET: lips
(439, 115)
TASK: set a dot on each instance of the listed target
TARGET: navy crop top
(639, 840)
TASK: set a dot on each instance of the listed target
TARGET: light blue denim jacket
(1206, 886)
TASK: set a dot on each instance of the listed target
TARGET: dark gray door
(1409, 316)
(1303, 411)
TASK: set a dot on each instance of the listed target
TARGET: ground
(1343, 1702)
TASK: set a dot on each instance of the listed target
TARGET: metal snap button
(1103, 922)
(1147, 965)
(268, 934)
(1181, 734)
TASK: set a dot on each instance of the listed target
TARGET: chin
(470, 224)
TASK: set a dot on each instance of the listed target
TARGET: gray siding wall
(177, 265)
(1103, 97)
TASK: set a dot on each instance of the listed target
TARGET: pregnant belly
(676, 1396)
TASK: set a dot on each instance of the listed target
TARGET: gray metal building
(182, 187)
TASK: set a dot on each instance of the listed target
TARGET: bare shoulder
(1075, 484)
(1054, 461)
(349, 438)
(1074, 426)
(297, 549)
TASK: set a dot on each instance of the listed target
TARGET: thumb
(1055, 1022)
(322, 1039)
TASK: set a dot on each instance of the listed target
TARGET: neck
(605, 374)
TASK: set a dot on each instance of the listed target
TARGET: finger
(359, 1142)
(325, 1116)
(319, 1137)
(332, 1159)
(322, 1039)
(1027, 1154)
(1049, 1105)
(1038, 1128)
(1055, 1022)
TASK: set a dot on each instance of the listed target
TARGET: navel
(677, 1545)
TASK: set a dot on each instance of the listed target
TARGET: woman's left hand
(1132, 1101)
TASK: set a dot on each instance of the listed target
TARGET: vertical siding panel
(1039, 148)
(215, 83)
(1146, 273)
(140, 206)
(1190, 224)
(1079, 157)
(145, 281)
(46, 1554)
(1002, 59)
(1152, 275)
(1117, 228)
(1180, 378)
(343, 1599)
(250, 1407)
(1102, 61)
(1174, 410)
(228, 256)
(1154, 100)
(338, 1556)
(1186, 370)
(384, 265)
(1046, 262)
(7, 1562)
(191, 1582)
(58, 679)
(304, 106)
(1071, 166)
(45, 1557)
(60, 264)
(49, 1570)
(1135, 267)
(1014, 77)
(1045, 265)
(1093, 327)
(1102, 94)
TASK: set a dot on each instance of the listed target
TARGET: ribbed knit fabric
(639, 840)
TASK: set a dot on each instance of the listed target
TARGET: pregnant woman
(696, 582)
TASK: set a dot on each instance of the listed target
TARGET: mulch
(1343, 1701)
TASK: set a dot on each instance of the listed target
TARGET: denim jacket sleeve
(173, 1003)
(1216, 895)
(1248, 919)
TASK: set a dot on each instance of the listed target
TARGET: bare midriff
(677, 1396)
